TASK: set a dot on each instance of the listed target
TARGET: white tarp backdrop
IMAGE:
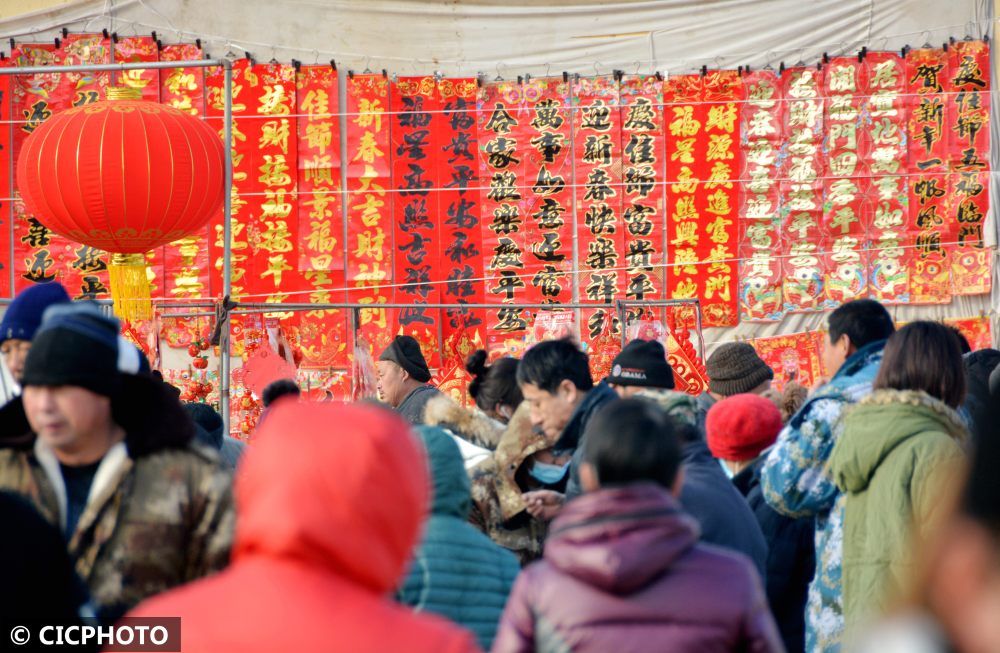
(514, 37)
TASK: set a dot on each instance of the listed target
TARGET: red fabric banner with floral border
(6, 183)
(968, 119)
(322, 335)
(719, 201)
(370, 208)
(846, 219)
(928, 81)
(417, 240)
(885, 120)
(134, 49)
(272, 216)
(461, 234)
(39, 254)
(597, 150)
(761, 128)
(802, 172)
(186, 261)
(548, 170)
(502, 126)
(644, 211)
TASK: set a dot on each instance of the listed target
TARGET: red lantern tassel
(130, 287)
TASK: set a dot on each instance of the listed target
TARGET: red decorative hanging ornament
(124, 176)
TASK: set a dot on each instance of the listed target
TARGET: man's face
(550, 412)
(68, 418)
(835, 353)
(15, 352)
(391, 382)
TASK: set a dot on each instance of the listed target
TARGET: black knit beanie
(642, 363)
(78, 345)
(735, 368)
(405, 352)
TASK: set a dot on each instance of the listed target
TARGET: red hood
(340, 487)
(620, 539)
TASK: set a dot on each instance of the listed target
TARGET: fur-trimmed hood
(146, 408)
(467, 423)
(880, 423)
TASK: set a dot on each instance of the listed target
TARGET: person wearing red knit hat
(738, 430)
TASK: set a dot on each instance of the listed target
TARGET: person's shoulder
(715, 564)
(196, 461)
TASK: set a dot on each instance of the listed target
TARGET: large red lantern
(123, 176)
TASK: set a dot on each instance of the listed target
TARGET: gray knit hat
(734, 368)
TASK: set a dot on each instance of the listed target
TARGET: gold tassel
(130, 287)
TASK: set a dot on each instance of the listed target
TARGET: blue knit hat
(24, 315)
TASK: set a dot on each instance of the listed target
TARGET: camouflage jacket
(151, 522)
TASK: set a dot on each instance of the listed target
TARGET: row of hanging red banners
(757, 194)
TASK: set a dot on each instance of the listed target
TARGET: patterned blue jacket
(795, 483)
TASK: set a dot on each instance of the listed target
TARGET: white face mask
(505, 412)
(725, 468)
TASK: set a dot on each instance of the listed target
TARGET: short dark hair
(924, 356)
(493, 384)
(278, 389)
(549, 363)
(963, 342)
(863, 321)
(631, 441)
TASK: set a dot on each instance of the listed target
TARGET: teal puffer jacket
(457, 572)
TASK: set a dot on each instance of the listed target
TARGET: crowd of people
(560, 513)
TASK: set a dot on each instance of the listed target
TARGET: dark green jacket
(457, 572)
(893, 461)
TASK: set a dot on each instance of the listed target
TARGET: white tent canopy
(514, 37)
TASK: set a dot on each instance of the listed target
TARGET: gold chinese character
(686, 183)
(369, 113)
(686, 289)
(179, 79)
(276, 265)
(316, 102)
(274, 132)
(368, 149)
(319, 203)
(687, 234)
(274, 171)
(321, 238)
(885, 75)
(720, 146)
(722, 117)
(318, 169)
(272, 103)
(685, 149)
(684, 123)
(716, 230)
(277, 237)
(718, 283)
(275, 205)
(371, 244)
(721, 175)
(318, 135)
(369, 210)
(684, 209)
(718, 203)
(684, 258)
(842, 79)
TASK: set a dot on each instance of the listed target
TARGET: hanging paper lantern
(123, 176)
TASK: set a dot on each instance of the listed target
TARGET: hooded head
(79, 367)
(450, 480)
(343, 489)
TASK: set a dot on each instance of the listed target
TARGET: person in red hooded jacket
(331, 500)
(623, 570)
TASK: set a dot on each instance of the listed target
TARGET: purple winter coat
(622, 572)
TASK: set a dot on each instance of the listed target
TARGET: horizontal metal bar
(280, 308)
(112, 67)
